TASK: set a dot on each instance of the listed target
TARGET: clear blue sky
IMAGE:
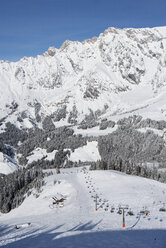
(29, 27)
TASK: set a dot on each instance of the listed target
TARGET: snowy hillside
(7, 165)
(94, 88)
(121, 71)
(76, 223)
(100, 104)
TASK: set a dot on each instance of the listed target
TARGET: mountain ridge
(99, 102)
(89, 75)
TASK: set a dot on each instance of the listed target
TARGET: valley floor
(77, 224)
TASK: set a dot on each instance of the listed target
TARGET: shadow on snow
(91, 238)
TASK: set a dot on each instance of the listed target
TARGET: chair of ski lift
(119, 211)
(142, 211)
(130, 212)
(147, 212)
(162, 209)
(112, 209)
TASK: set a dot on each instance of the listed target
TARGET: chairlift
(162, 209)
(130, 212)
(112, 210)
(119, 211)
(145, 212)
(142, 211)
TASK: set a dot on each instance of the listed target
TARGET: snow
(85, 153)
(162, 30)
(156, 131)
(39, 153)
(95, 131)
(62, 79)
(54, 81)
(153, 164)
(7, 165)
(77, 224)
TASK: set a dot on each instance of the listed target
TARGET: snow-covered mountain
(121, 71)
(7, 165)
(101, 103)
(89, 86)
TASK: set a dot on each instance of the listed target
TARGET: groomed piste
(83, 222)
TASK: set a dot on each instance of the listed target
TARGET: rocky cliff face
(89, 84)
(122, 70)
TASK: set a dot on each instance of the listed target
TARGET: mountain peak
(123, 69)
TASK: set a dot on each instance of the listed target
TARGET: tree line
(15, 186)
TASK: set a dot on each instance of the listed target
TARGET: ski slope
(77, 223)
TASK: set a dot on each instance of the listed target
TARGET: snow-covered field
(77, 223)
(39, 153)
(85, 153)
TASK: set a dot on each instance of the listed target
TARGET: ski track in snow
(77, 224)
